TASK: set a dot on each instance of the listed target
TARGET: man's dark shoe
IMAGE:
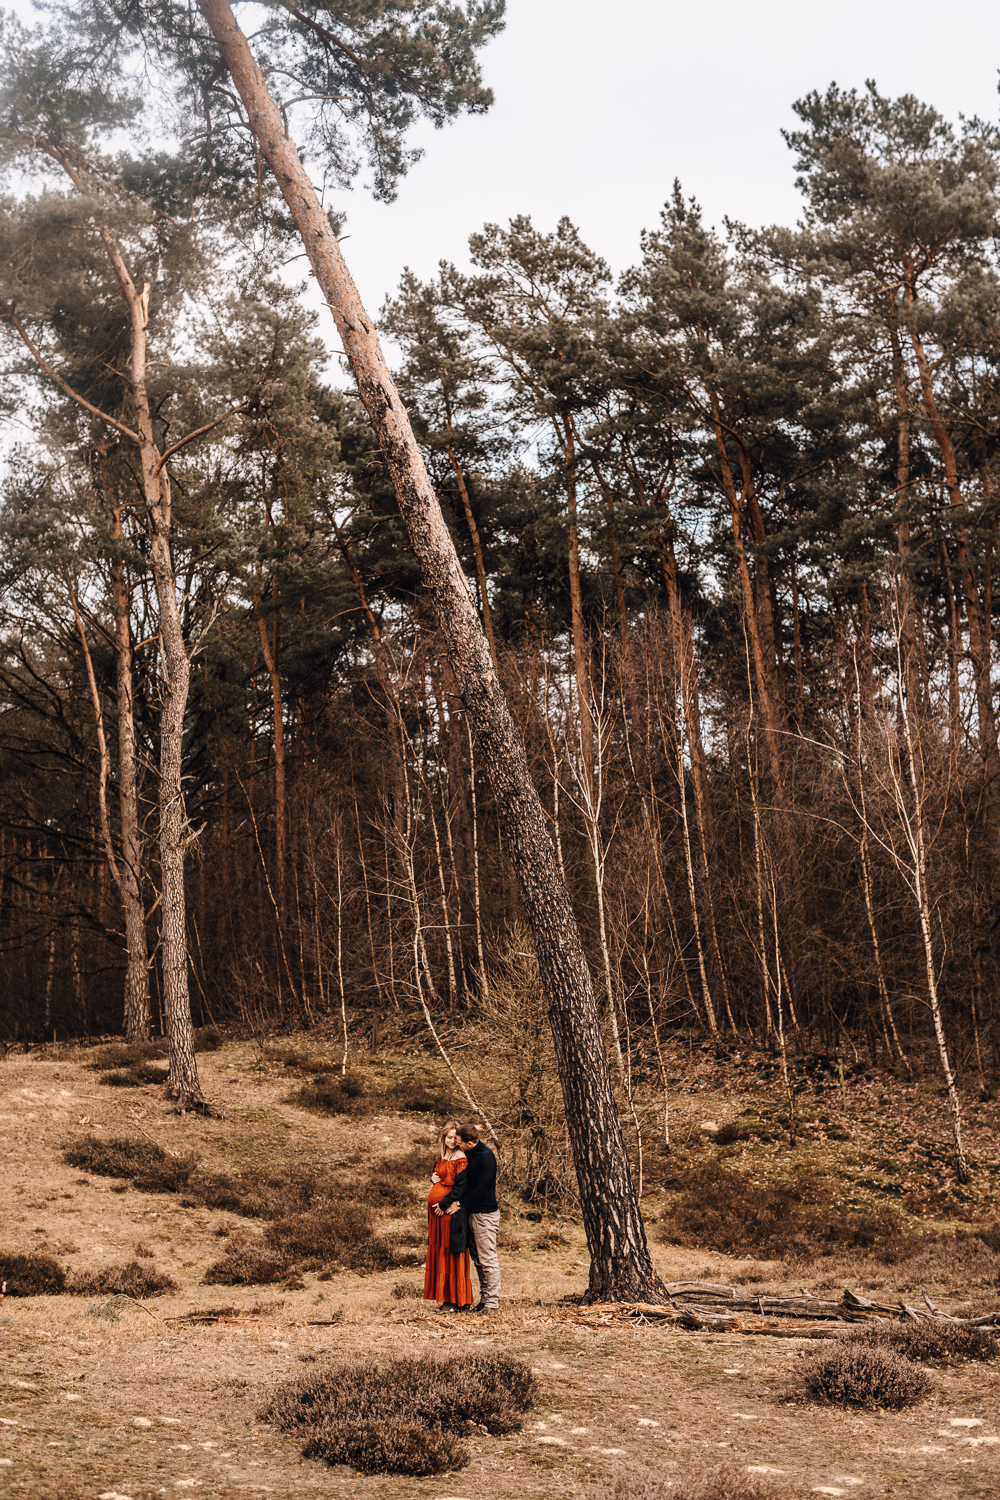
(486, 1312)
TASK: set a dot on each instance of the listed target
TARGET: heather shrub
(414, 1402)
(390, 1447)
(298, 1062)
(932, 1343)
(419, 1098)
(260, 1195)
(989, 1234)
(141, 1162)
(31, 1275)
(329, 1095)
(134, 1077)
(322, 1231)
(387, 1184)
(379, 1253)
(718, 1209)
(130, 1280)
(247, 1264)
(127, 1054)
(859, 1372)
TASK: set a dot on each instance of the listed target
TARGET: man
(475, 1190)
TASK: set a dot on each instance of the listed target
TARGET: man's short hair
(469, 1134)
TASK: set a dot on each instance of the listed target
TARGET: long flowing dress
(447, 1277)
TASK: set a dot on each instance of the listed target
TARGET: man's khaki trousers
(483, 1249)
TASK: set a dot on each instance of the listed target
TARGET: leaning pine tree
(363, 61)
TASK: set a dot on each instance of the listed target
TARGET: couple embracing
(463, 1219)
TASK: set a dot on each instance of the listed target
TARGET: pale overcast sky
(599, 107)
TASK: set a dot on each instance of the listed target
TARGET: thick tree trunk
(621, 1267)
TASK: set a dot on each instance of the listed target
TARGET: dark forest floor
(100, 1397)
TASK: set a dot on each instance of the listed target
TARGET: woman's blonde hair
(446, 1128)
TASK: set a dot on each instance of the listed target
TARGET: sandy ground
(93, 1404)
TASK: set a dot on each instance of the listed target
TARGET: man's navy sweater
(475, 1188)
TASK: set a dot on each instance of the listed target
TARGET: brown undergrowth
(404, 1416)
(196, 1363)
(799, 1221)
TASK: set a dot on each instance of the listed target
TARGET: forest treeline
(730, 523)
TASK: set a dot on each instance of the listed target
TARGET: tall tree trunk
(979, 632)
(137, 1014)
(182, 1075)
(621, 1267)
(477, 547)
(581, 666)
(124, 872)
(270, 649)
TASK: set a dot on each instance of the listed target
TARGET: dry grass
(863, 1373)
(414, 1409)
(721, 1484)
(661, 1396)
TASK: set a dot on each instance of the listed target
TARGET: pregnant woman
(446, 1280)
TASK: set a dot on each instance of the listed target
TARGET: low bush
(410, 1405)
(127, 1054)
(389, 1447)
(298, 1062)
(331, 1095)
(134, 1077)
(862, 1373)
(419, 1098)
(143, 1163)
(932, 1343)
(324, 1231)
(379, 1253)
(735, 1132)
(718, 1209)
(31, 1275)
(207, 1039)
(129, 1280)
(247, 1264)
(388, 1184)
(267, 1195)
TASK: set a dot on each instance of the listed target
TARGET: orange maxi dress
(447, 1277)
